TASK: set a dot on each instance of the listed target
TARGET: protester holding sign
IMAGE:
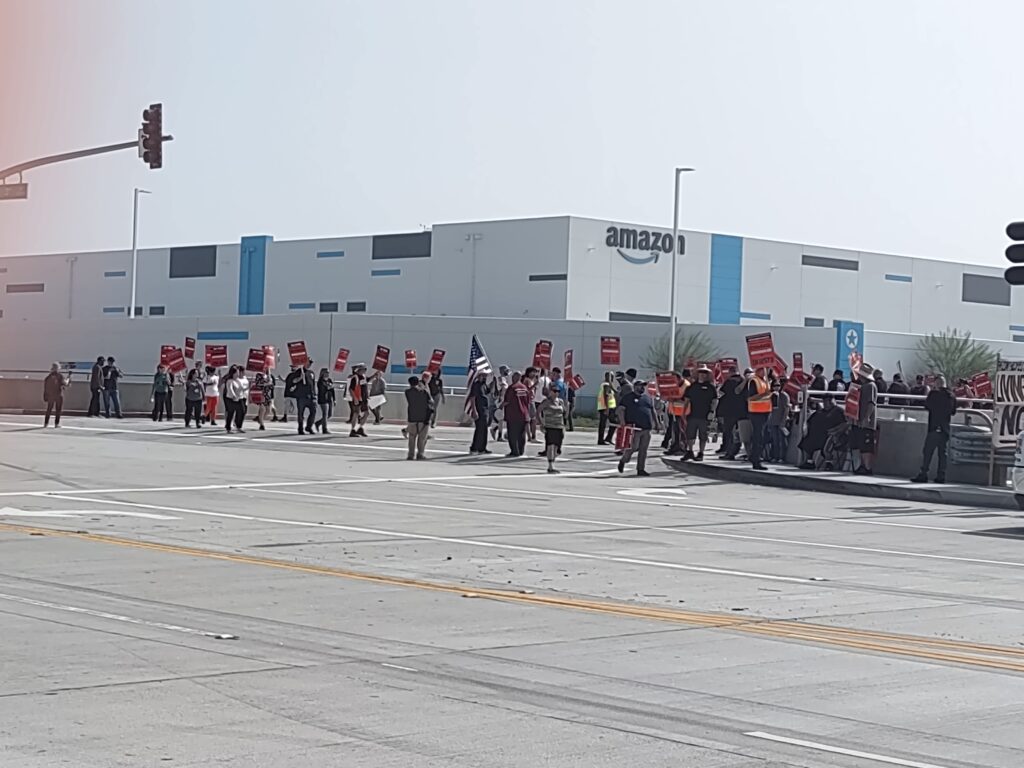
(941, 407)
(864, 433)
(700, 398)
(160, 394)
(636, 410)
(212, 390)
(357, 397)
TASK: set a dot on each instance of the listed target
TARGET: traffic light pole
(17, 170)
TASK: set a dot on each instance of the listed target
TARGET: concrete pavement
(199, 599)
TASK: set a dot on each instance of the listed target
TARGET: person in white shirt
(211, 391)
(236, 398)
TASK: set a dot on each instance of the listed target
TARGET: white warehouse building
(560, 267)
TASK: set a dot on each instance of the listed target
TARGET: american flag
(479, 365)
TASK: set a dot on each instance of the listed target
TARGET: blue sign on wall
(849, 338)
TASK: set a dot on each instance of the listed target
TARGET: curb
(953, 495)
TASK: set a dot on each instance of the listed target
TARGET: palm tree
(695, 345)
(955, 355)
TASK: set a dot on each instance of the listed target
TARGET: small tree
(694, 345)
(955, 355)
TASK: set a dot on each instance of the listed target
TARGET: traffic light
(151, 137)
(1015, 253)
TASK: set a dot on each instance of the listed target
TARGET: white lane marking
(12, 512)
(117, 617)
(290, 483)
(653, 493)
(668, 503)
(398, 666)
(619, 525)
(841, 750)
(465, 542)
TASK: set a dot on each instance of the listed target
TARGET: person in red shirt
(517, 414)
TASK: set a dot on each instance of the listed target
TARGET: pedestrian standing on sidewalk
(759, 407)
(95, 387)
(111, 395)
(419, 413)
(325, 398)
(499, 384)
(636, 410)
(864, 435)
(211, 387)
(517, 414)
(193, 398)
(777, 419)
(941, 406)
(606, 405)
(732, 408)
(377, 389)
(160, 394)
(481, 413)
(53, 394)
(551, 412)
(435, 388)
(357, 397)
(700, 398)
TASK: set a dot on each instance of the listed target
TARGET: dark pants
(111, 397)
(758, 421)
(193, 410)
(161, 405)
(729, 440)
(568, 419)
(56, 406)
(516, 437)
(605, 426)
(778, 443)
(94, 402)
(303, 404)
(479, 444)
(935, 441)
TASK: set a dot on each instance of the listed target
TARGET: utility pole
(135, 247)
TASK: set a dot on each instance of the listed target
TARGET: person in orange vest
(676, 411)
(759, 406)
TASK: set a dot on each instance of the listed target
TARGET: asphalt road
(184, 598)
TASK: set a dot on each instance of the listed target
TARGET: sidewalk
(787, 476)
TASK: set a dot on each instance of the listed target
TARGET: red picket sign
(269, 357)
(761, 350)
(434, 366)
(176, 361)
(798, 361)
(542, 354)
(652, 389)
(852, 405)
(341, 360)
(779, 366)
(799, 378)
(190, 348)
(668, 386)
(297, 353)
(623, 437)
(722, 367)
(380, 358)
(216, 355)
(165, 353)
(567, 366)
(410, 358)
(982, 385)
(257, 360)
(611, 350)
(577, 383)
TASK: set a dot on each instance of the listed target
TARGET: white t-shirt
(542, 387)
(211, 384)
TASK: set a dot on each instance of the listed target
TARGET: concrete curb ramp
(849, 485)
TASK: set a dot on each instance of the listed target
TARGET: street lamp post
(672, 288)
(135, 247)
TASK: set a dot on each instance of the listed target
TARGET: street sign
(14, 191)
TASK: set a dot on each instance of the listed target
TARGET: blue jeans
(111, 397)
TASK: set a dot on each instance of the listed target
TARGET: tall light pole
(672, 288)
(135, 247)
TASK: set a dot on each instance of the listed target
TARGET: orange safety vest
(762, 401)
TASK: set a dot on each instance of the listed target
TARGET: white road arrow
(654, 493)
(12, 512)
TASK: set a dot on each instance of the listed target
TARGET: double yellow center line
(921, 648)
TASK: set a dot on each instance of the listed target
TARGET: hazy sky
(879, 124)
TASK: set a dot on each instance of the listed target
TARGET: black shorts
(862, 439)
(553, 437)
(696, 427)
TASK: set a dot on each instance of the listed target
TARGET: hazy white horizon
(879, 126)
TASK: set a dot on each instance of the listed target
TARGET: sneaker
(699, 457)
(922, 478)
(484, 451)
(940, 480)
(552, 471)
(362, 432)
(622, 466)
(759, 467)
(421, 457)
(409, 458)
(353, 433)
(262, 428)
(642, 473)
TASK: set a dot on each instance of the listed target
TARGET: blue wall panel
(252, 274)
(726, 284)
